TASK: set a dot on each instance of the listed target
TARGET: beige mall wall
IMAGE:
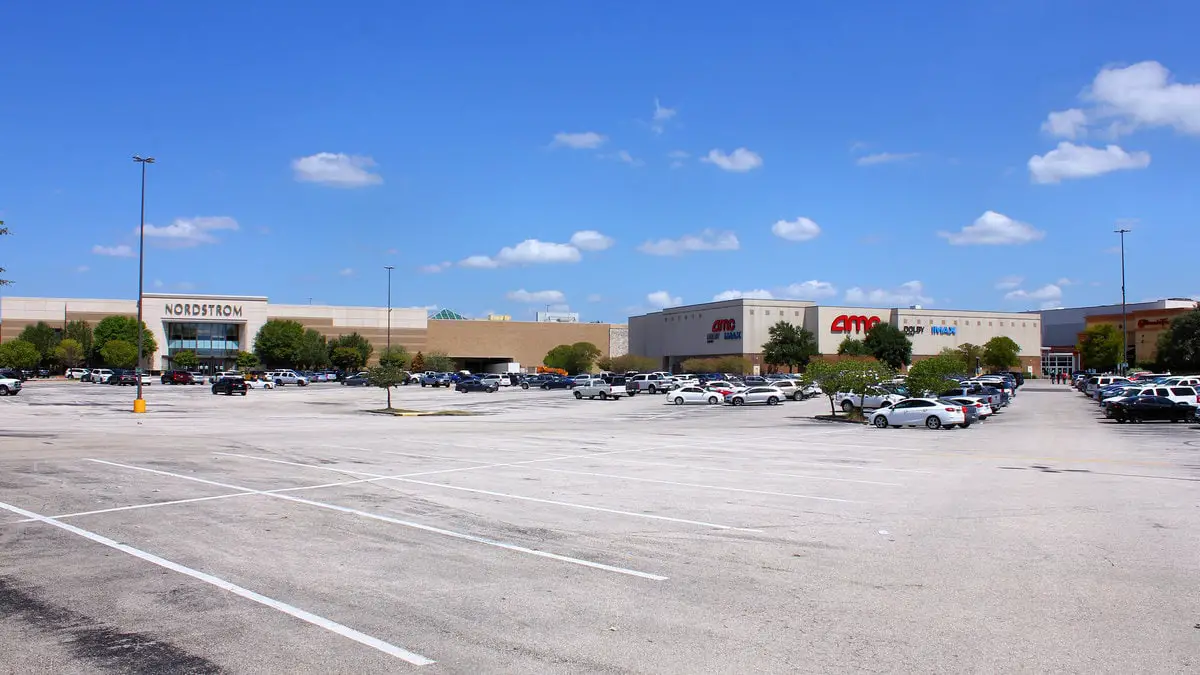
(525, 342)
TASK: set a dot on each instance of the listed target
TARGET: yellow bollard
(139, 405)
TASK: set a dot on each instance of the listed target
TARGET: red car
(178, 377)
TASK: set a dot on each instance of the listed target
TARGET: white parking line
(397, 521)
(504, 495)
(332, 626)
(697, 485)
(756, 473)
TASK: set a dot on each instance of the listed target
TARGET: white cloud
(590, 240)
(336, 169)
(1082, 161)
(1066, 124)
(993, 228)
(908, 293)
(595, 297)
(158, 283)
(536, 297)
(706, 240)
(758, 294)
(189, 232)
(677, 158)
(885, 158)
(624, 157)
(800, 229)
(1050, 295)
(808, 290)
(661, 117)
(1009, 283)
(740, 160)
(435, 267)
(81, 269)
(663, 299)
(859, 146)
(560, 307)
(347, 271)
(1144, 95)
(119, 251)
(528, 252)
(585, 140)
(1064, 281)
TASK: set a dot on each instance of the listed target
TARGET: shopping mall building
(1144, 322)
(217, 327)
(739, 328)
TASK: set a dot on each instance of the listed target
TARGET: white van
(1098, 382)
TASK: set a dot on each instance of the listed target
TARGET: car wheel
(578, 395)
(847, 407)
(278, 383)
(243, 393)
(772, 401)
(603, 395)
(797, 396)
(933, 422)
(652, 390)
(3, 390)
(678, 400)
(214, 391)
(880, 422)
(525, 386)
(713, 400)
(739, 401)
(422, 385)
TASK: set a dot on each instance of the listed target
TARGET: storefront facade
(1061, 329)
(741, 327)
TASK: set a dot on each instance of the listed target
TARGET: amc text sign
(724, 329)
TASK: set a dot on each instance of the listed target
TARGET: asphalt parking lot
(290, 531)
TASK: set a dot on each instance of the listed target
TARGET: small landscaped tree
(932, 375)
(386, 377)
(69, 353)
(439, 362)
(847, 376)
(246, 361)
(1100, 347)
(789, 346)
(119, 354)
(889, 345)
(19, 354)
(1001, 353)
(352, 341)
(123, 328)
(395, 357)
(185, 359)
(312, 351)
(348, 359)
(277, 343)
(418, 363)
(42, 336)
(852, 347)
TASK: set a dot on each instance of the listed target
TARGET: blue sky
(609, 157)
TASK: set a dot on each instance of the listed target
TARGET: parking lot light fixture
(1124, 320)
(139, 403)
(389, 269)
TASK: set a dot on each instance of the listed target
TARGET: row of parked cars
(963, 403)
(1143, 397)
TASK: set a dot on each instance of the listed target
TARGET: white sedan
(260, 384)
(976, 402)
(931, 413)
(757, 395)
(693, 394)
(722, 387)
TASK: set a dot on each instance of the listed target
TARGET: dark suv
(230, 386)
(178, 377)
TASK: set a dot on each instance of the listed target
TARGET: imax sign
(944, 330)
(196, 310)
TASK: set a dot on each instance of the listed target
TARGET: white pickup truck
(596, 387)
(652, 383)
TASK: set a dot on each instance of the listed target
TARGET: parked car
(695, 394)
(875, 397)
(75, 373)
(500, 380)
(556, 382)
(976, 403)
(230, 386)
(100, 375)
(199, 377)
(598, 387)
(436, 380)
(932, 413)
(723, 387)
(282, 377)
(9, 386)
(177, 377)
(794, 389)
(124, 378)
(757, 395)
(259, 384)
(1144, 408)
(468, 384)
(651, 383)
(357, 380)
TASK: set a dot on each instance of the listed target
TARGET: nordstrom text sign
(193, 309)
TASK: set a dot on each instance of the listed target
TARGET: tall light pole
(389, 268)
(1124, 324)
(139, 404)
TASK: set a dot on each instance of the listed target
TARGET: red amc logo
(724, 325)
(854, 324)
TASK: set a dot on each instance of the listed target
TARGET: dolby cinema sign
(192, 310)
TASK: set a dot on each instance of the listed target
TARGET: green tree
(386, 377)
(19, 354)
(845, 375)
(737, 365)
(889, 345)
(123, 328)
(931, 376)
(1100, 347)
(1001, 353)
(119, 354)
(418, 363)
(246, 361)
(395, 357)
(575, 359)
(789, 346)
(185, 359)
(972, 355)
(277, 343)
(352, 341)
(348, 359)
(1179, 345)
(312, 352)
(438, 361)
(81, 332)
(585, 354)
(852, 347)
(3, 231)
(69, 353)
(626, 363)
(42, 336)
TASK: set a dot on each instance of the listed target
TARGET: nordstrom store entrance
(215, 344)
